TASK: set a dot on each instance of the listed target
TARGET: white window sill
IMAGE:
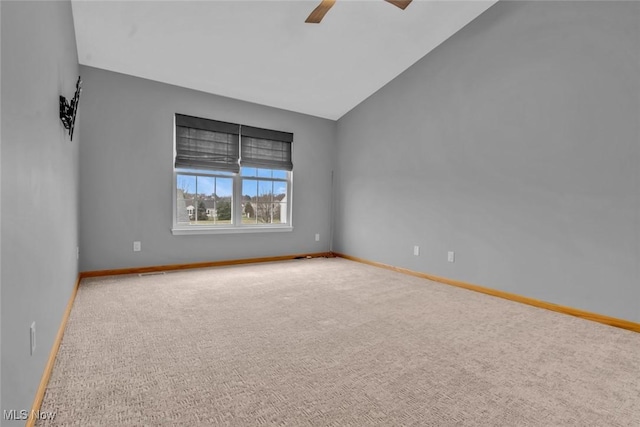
(230, 230)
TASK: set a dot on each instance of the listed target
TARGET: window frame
(236, 203)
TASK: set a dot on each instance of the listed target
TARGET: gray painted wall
(39, 233)
(126, 160)
(0, 218)
(515, 144)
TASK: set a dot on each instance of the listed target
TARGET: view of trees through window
(204, 200)
(264, 199)
(207, 199)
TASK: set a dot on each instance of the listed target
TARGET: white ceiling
(262, 51)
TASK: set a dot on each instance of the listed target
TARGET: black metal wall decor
(68, 110)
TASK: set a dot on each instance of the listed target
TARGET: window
(204, 199)
(264, 196)
(230, 178)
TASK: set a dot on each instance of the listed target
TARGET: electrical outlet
(77, 252)
(416, 250)
(32, 337)
(451, 256)
(137, 246)
(317, 237)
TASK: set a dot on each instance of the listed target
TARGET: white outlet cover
(137, 246)
(317, 237)
(451, 256)
(416, 250)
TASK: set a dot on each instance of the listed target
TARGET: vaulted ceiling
(262, 51)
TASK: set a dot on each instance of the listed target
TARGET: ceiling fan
(318, 13)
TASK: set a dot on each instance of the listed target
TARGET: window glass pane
(279, 174)
(277, 213)
(263, 211)
(249, 188)
(205, 186)
(265, 173)
(186, 183)
(204, 200)
(265, 190)
(249, 212)
(205, 204)
(185, 192)
(190, 209)
(264, 202)
(224, 187)
(246, 171)
(186, 210)
(223, 211)
(279, 190)
(280, 195)
(249, 192)
(223, 196)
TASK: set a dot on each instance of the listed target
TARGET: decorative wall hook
(68, 110)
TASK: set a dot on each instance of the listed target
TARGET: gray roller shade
(206, 144)
(264, 148)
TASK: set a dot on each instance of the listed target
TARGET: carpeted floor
(330, 342)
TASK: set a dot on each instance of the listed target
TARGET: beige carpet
(330, 342)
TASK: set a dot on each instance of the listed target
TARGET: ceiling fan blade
(402, 4)
(319, 12)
